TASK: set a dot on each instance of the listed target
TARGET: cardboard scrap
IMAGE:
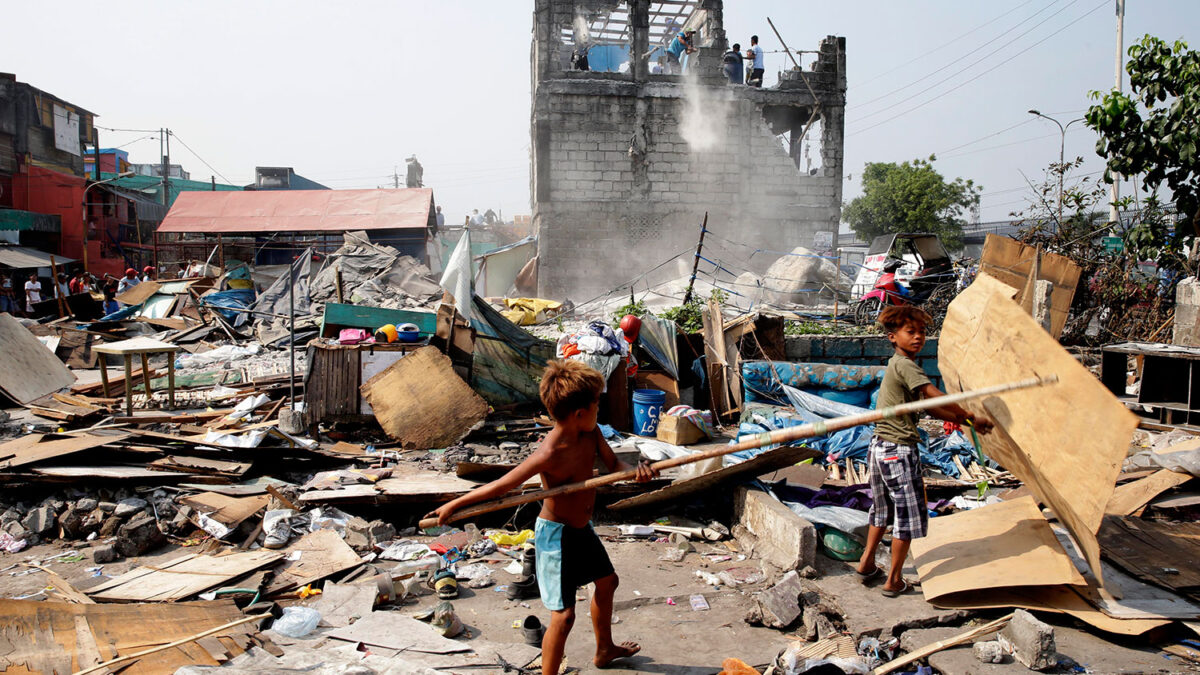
(140, 293)
(421, 402)
(229, 511)
(1011, 262)
(1065, 441)
(395, 631)
(1132, 496)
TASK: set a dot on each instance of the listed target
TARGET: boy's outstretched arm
(533, 465)
(953, 412)
(645, 471)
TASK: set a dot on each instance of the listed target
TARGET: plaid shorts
(897, 489)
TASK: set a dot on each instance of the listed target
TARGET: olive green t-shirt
(900, 381)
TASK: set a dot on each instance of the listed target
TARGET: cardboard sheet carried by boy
(1066, 443)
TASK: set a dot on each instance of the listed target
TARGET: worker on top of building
(680, 45)
(128, 281)
(731, 63)
(755, 56)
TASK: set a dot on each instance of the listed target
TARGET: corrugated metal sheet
(21, 257)
(299, 211)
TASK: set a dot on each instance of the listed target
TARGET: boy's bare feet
(607, 656)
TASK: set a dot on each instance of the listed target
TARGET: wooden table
(145, 347)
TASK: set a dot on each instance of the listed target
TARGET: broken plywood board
(317, 555)
(28, 371)
(766, 462)
(229, 511)
(140, 293)
(35, 448)
(1010, 262)
(986, 340)
(48, 637)
(1161, 553)
(201, 465)
(996, 546)
(395, 631)
(342, 604)
(421, 402)
(405, 486)
(1134, 495)
(181, 578)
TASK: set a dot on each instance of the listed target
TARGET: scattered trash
(699, 603)
(296, 622)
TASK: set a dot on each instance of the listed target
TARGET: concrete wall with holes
(626, 164)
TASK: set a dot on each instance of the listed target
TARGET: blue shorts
(567, 558)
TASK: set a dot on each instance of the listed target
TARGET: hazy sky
(344, 92)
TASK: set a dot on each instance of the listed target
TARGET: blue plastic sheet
(237, 298)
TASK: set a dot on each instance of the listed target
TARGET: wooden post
(62, 302)
(687, 296)
(170, 380)
(146, 377)
(221, 254)
(129, 384)
(104, 376)
(337, 282)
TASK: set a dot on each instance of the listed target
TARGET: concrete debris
(128, 507)
(39, 521)
(1030, 641)
(990, 651)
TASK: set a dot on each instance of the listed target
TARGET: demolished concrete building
(627, 161)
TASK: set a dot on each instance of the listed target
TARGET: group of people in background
(733, 63)
(20, 292)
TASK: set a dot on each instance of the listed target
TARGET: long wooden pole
(757, 441)
(687, 296)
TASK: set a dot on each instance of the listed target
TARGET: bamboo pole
(757, 441)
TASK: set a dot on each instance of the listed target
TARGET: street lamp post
(123, 174)
(1061, 161)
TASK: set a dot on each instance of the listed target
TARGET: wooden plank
(1011, 262)
(714, 359)
(200, 465)
(28, 371)
(767, 462)
(36, 448)
(421, 402)
(229, 511)
(1161, 553)
(140, 293)
(1134, 495)
(321, 554)
(182, 577)
(987, 339)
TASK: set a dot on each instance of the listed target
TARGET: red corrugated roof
(299, 211)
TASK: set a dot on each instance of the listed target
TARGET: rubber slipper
(868, 577)
(900, 591)
(446, 585)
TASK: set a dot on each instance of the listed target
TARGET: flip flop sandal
(868, 577)
(446, 585)
(900, 591)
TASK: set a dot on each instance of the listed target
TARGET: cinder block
(798, 348)
(877, 346)
(930, 348)
(773, 531)
(844, 347)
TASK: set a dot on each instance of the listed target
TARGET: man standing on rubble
(128, 281)
(755, 56)
(732, 64)
(680, 45)
(897, 487)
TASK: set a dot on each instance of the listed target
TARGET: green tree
(1154, 134)
(911, 197)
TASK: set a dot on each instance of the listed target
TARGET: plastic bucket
(647, 406)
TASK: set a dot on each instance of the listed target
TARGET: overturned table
(144, 346)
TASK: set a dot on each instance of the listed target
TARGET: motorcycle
(935, 283)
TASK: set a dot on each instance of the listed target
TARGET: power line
(973, 51)
(938, 49)
(960, 86)
(202, 161)
(137, 131)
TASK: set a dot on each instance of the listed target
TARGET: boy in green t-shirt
(897, 488)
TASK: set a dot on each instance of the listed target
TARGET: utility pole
(1113, 213)
(395, 176)
(165, 135)
(696, 263)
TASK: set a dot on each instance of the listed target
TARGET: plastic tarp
(274, 300)
(657, 337)
(764, 380)
(508, 362)
(457, 278)
(225, 301)
(374, 275)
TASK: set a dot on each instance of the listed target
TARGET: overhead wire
(943, 46)
(197, 156)
(976, 77)
(973, 51)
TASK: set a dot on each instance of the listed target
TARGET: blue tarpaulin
(237, 298)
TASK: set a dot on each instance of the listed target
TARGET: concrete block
(878, 346)
(128, 507)
(779, 606)
(930, 348)
(844, 347)
(772, 531)
(105, 553)
(40, 520)
(990, 651)
(1031, 641)
(797, 348)
(139, 536)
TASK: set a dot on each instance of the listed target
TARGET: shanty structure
(272, 227)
